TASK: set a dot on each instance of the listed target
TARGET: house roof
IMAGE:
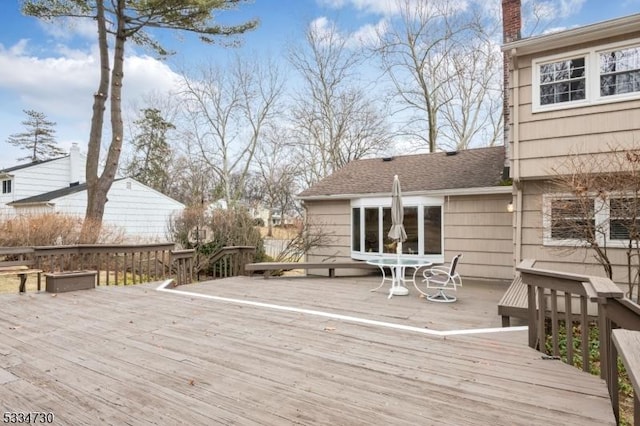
(586, 34)
(49, 196)
(33, 163)
(472, 168)
(59, 193)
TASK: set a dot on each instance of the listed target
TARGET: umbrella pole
(398, 289)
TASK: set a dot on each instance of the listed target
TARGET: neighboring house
(575, 92)
(56, 186)
(453, 202)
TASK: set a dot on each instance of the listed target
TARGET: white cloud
(382, 7)
(62, 88)
(70, 28)
(391, 7)
(366, 35)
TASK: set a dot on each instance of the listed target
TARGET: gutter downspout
(517, 185)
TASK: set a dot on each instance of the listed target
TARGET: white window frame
(609, 241)
(10, 181)
(592, 75)
(384, 202)
(602, 216)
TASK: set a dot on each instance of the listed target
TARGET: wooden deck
(278, 352)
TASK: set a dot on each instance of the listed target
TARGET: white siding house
(56, 186)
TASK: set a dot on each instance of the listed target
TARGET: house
(568, 94)
(57, 186)
(453, 202)
(573, 93)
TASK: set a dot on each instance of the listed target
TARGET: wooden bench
(514, 302)
(19, 261)
(267, 267)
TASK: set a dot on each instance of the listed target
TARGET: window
(587, 77)
(6, 186)
(611, 221)
(562, 81)
(355, 235)
(624, 219)
(371, 221)
(620, 71)
(371, 230)
(433, 230)
(572, 219)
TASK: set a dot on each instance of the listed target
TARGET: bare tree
(120, 21)
(473, 87)
(274, 182)
(425, 53)
(601, 208)
(334, 121)
(227, 112)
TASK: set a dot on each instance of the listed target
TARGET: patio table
(398, 265)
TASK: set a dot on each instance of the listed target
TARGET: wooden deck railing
(139, 263)
(586, 299)
(230, 261)
(182, 261)
(115, 264)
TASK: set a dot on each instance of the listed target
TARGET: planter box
(70, 281)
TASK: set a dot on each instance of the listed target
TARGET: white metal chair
(443, 278)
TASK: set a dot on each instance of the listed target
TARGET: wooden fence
(554, 295)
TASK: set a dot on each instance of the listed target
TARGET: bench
(20, 262)
(267, 267)
(514, 303)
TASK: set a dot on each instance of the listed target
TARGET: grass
(11, 283)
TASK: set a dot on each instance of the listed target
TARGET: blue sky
(52, 68)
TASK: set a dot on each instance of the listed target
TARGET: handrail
(230, 261)
(626, 344)
(183, 263)
(612, 310)
(115, 263)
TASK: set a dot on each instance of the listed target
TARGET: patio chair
(443, 278)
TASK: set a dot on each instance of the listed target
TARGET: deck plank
(137, 356)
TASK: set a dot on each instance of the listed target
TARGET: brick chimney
(511, 27)
(511, 20)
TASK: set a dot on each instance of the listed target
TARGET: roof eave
(485, 190)
(31, 203)
(585, 34)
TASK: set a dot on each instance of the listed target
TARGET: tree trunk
(98, 186)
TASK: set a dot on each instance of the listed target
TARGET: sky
(52, 67)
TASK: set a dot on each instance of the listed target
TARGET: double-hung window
(624, 219)
(610, 221)
(619, 71)
(6, 186)
(563, 81)
(605, 74)
(569, 220)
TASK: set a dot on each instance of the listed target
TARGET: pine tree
(150, 162)
(38, 138)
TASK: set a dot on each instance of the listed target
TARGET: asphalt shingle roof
(472, 168)
(33, 163)
(52, 195)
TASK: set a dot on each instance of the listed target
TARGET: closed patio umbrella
(397, 233)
